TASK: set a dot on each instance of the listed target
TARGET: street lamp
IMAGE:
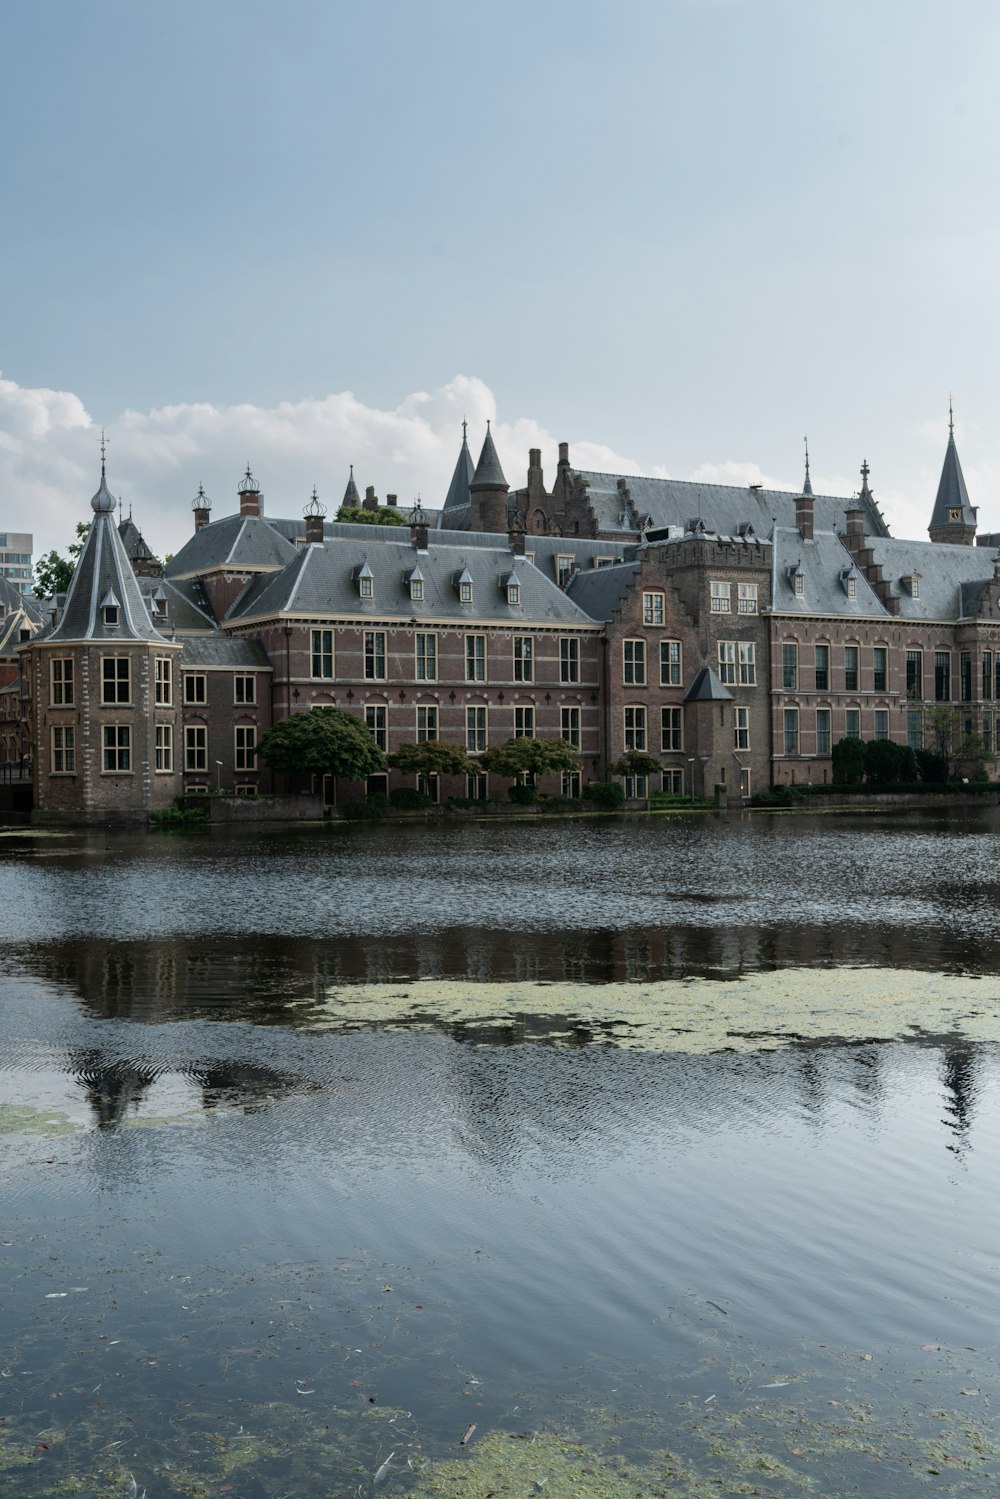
(691, 776)
(218, 775)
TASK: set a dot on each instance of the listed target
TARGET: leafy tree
(932, 765)
(385, 515)
(527, 756)
(434, 757)
(887, 762)
(849, 762)
(321, 741)
(52, 572)
(964, 753)
(636, 763)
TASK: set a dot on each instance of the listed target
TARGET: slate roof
(826, 564)
(321, 581)
(187, 608)
(600, 590)
(224, 651)
(488, 470)
(952, 577)
(458, 489)
(952, 493)
(134, 542)
(103, 572)
(237, 541)
(723, 507)
(706, 688)
(351, 496)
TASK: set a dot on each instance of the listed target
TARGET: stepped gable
(723, 507)
(244, 543)
(103, 575)
(321, 581)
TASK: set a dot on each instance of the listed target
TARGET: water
(256, 1239)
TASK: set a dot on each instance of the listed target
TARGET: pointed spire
(458, 489)
(865, 493)
(351, 496)
(807, 482)
(953, 517)
(488, 473)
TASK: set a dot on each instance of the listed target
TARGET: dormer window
(512, 588)
(852, 587)
(463, 582)
(365, 580)
(800, 585)
(414, 581)
(110, 608)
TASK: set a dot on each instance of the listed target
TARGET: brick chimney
(515, 534)
(392, 500)
(804, 516)
(314, 513)
(371, 499)
(418, 526)
(202, 507)
(250, 495)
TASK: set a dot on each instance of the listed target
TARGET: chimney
(202, 507)
(371, 499)
(564, 454)
(855, 520)
(515, 534)
(392, 500)
(250, 495)
(418, 526)
(804, 516)
(314, 529)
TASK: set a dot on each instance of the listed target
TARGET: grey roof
(187, 607)
(321, 580)
(723, 507)
(952, 493)
(952, 577)
(488, 470)
(826, 565)
(134, 542)
(102, 568)
(223, 650)
(13, 601)
(706, 688)
(600, 590)
(238, 541)
(351, 496)
(458, 489)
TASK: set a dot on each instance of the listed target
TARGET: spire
(458, 489)
(488, 473)
(807, 482)
(953, 517)
(351, 496)
(864, 493)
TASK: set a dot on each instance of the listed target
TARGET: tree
(848, 762)
(322, 741)
(52, 572)
(962, 750)
(535, 757)
(434, 757)
(385, 515)
(887, 763)
(636, 763)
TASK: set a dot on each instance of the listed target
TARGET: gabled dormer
(463, 585)
(111, 610)
(414, 582)
(364, 581)
(510, 585)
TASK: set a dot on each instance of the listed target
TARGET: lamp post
(218, 775)
(691, 776)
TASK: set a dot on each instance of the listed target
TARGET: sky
(678, 234)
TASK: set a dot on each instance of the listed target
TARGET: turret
(953, 519)
(488, 491)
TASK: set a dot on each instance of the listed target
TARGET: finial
(806, 441)
(352, 470)
(248, 484)
(104, 443)
(315, 507)
(951, 416)
(465, 429)
(487, 424)
(865, 470)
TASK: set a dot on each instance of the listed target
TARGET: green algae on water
(23, 1119)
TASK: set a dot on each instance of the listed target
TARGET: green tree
(963, 752)
(636, 763)
(534, 757)
(385, 515)
(321, 741)
(434, 757)
(52, 572)
(849, 762)
(887, 763)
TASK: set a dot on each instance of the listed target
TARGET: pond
(600, 1157)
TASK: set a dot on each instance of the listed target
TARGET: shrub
(887, 762)
(932, 765)
(522, 796)
(604, 793)
(560, 803)
(849, 762)
(407, 799)
(179, 817)
(362, 812)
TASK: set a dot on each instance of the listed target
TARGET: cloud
(50, 455)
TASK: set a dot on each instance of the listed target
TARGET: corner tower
(953, 519)
(488, 491)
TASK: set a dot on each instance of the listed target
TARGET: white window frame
(475, 658)
(634, 663)
(721, 595)
(634, 727)
(671, 663)
(524, 658)
(163, 748)
(653, 609)
(727, 663)
(376, 721)
(426, 656)
(746, 602)
(373, 645)
(321, 655)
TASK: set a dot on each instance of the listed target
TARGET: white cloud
(50, 455)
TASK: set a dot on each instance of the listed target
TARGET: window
(417, 590)
(987, 666)
(570, 783)
(64, 751)
(852, 587)
(634, 665)
(851, 654)
(744, 782)
(111, 614)
(791, 731)
(652, 609)
(524, 659)
(720, 595)
(116, 680)
(564, 566)
(852, 723)
(375, 718)
(800, 584)
(823, 731)
(569, 726)
(475, 730)
(322, 654)
(673, 782)
(635, 728)
(195, 687)
(747, 602)
(117, 740)
(965, 675)
(635, 786)
(822, 668)
(427, 658)
(164, 686)
(741, 728)
(164, 747)
(881, 723)
(569, 660)
(61, 679)
(727, 662)
(375, 655)
(790, 667)
(670, 663)
(942, 676)
(671, 730)
(524, 723)
(427, 724)
(465, 592)
(475, 658)
(246, 746)
(245, 689)
(366, 585)
(988, 733)
(915, 586)
(914, 674)
(880, 669)
(476, 788)
(513, 593)
(195, 747)
(915, 728)
(748, 663)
